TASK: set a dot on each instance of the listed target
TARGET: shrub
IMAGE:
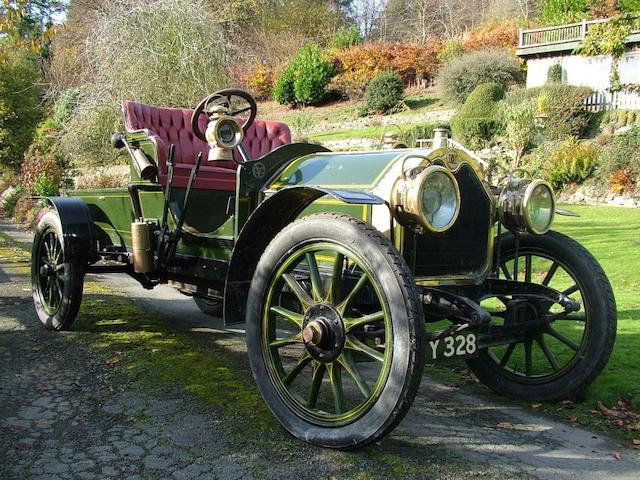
(622, 153)
(345, 37)
(384, 93)
(358, 65)
(67, 102)
(312, 75)
(283, 91)
(10, 198)
(501, 34)
(519, 122)
(305, 79)
(19, 103)
(562, 109)
(555, 73)
(43, 168)
(451, 50)
(476, 123)
(622, 181)
(572, 161)
(411, 136)
(462, 75)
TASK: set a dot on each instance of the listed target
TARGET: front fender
(263, 225)
(78, 230)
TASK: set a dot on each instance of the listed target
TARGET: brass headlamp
(223, 134)
(527, 206)
(427, 199)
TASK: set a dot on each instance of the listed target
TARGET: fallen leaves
(21, 446)
(116, 358)
(616, 455)
(15, 429)
(622, 415)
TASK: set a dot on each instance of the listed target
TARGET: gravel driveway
(66, 413)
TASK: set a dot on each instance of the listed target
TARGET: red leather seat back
(167, 126)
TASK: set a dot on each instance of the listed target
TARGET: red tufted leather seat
(167, 126)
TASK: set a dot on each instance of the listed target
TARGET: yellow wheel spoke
(283, 342)
(316, 281)
(352, 323)
(353, 343)
(336, 279)
(335, 375)
(350, 366)
(295, 371)
(316, 382)
(356, 289)
(298, 291)
(294, 317)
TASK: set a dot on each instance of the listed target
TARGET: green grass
(368, 132)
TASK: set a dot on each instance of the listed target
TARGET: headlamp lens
(540, 208)
(440, 200)
(227, 133)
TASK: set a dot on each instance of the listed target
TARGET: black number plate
(463, 344)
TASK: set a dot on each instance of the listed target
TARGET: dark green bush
(312, 75)
(306, 78)
(477, 122)
(463, 74)
(384, 93)
(555, 73)
(283, 91)
(411, 136)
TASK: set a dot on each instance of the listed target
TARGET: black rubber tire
(398, 287)
(71, 298)
(600, 332)
(209, 306)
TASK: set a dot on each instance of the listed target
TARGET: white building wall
(584, 71)
(581, 71)
(592, 72)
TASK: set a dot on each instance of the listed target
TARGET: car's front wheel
(554, 359)
(335, 331)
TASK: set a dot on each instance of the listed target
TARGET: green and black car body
(351, 271)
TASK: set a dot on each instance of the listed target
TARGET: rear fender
(78, 230)
(263, 225)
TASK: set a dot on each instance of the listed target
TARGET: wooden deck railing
(555, 35)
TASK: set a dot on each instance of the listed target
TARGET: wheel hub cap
(323, 333)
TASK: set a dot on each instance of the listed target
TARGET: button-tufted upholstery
(167, 126)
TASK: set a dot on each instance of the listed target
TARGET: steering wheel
(225, 98)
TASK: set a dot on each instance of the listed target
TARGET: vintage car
(351, 271)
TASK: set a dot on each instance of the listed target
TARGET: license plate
(455, 346)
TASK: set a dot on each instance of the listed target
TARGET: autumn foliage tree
(501, 34)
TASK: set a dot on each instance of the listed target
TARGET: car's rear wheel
(335, 331)
(559, 359)
(57, 282)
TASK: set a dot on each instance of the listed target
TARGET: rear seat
(167, 126)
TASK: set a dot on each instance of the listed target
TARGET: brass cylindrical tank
(142, 241)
